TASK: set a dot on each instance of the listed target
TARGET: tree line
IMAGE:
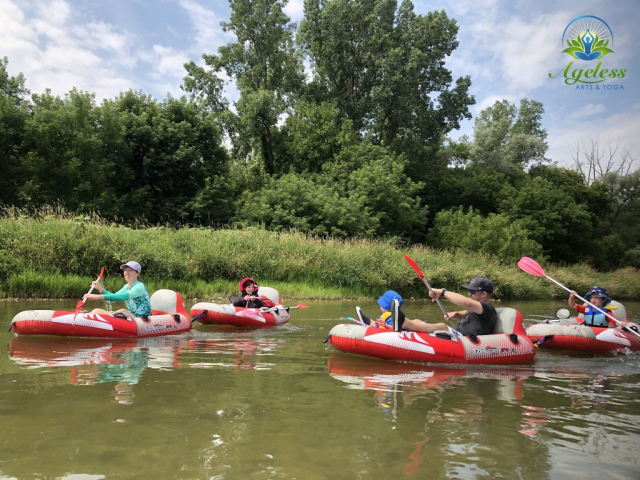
(342, 128)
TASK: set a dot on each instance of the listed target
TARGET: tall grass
(55, 254)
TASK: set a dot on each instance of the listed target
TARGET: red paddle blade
(530, 266)
(414, 265)
(79, 306)
(302, 306)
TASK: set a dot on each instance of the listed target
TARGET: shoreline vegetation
(55, 254)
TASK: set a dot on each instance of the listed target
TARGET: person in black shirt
(479, 318)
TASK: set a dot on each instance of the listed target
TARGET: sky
(508, 47)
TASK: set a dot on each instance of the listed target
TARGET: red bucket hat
(245, 280)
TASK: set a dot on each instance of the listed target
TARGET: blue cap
(385, 300)
(599, 292)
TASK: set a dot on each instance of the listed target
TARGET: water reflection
(244, 352)
(93, 361)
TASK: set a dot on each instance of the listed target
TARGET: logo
(589, 39)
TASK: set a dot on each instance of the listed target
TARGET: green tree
(375, 176)
(314, 134)
(494, 234)
(384, 69)
(267, 70)
(63, 152)
(14, 114)
(553, 219)
(510, 139)
(171, 149)
(299, 202)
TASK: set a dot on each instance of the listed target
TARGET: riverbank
(57, 255)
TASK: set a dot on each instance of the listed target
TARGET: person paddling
(249, 296)
(479, 318)
(134, 294)
(592, 317)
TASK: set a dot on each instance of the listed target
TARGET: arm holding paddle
(530, 266)
(457, 299)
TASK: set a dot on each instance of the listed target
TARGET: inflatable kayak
(507, 345)
(571, 334)
(169, 316)
(227, 314)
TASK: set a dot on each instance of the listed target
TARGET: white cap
(135, 265)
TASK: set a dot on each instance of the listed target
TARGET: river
(228, 403)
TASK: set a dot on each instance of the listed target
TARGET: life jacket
(593, 318)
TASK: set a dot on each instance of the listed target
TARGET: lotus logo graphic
(588, 38)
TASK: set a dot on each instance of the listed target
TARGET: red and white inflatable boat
(169, 316)
(227, 314)
(507, 345)
(572, 334)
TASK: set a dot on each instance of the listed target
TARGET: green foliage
(315, 134)
(494, 234)
(553, 219)
(267, 70)
(384, 68)
(298, 202)
(55, 255)
(510, 139)
(13, 118)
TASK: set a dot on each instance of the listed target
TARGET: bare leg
(420, 326)
(100, 311)
(126, 312)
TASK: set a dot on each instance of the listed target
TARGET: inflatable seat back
(167, 301)
(620, 313)
(271, 293)
(509, 321)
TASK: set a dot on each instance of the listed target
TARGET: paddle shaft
(84, 300)
(606, 314)
(415, 266)
(437, 299)
(273, 309)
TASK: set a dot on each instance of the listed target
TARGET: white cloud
(295, 10)
(54, 51)
(587, 111)
(209, 34)
(622, 127)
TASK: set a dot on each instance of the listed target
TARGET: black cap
(480, 283)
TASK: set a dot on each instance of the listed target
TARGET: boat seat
(507, 318)
(167, 301)
(271, 293)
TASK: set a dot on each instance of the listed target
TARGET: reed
(54, 254)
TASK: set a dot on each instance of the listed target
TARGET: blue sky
(507, 47)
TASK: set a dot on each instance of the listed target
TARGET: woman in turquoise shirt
(134, 294)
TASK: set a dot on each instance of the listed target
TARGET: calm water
(226, 403)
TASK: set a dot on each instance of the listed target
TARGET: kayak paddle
(82, 302)
(415, 266)
(530, 266)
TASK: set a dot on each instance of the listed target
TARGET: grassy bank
(56, 255)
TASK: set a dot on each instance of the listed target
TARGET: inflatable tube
(84, 324)
(572, 334)
(227, 314)
(506, 346)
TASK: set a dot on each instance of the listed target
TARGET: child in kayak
(592, 317)
(249, 297)
(384, 320)
(134, 294)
